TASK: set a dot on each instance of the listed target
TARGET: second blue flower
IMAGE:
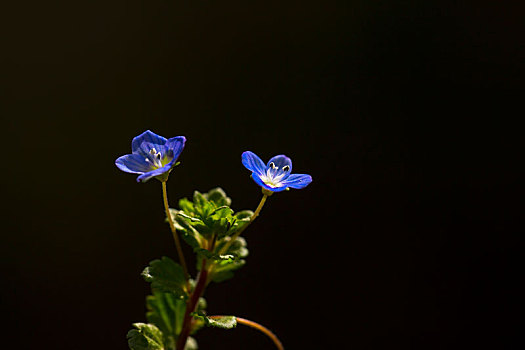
(276, 175)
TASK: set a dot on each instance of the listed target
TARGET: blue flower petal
(146, 176)
(176, 144)
(297, 181)
(145, 148)
(133, 163)
(281, 161)
(253, 163)
(261, 183)
(147, 136)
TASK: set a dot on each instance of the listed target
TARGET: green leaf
(186, 216)
(145, 337)
(191, 240)
(225, 322)
(244, 215)
(198, 323)
(166, 275)
(208, 219)
(186, 205)
(201, 206)
(229, 262)
(166, 311)
(241, 219)
(237, 248)
(218, 197)
(183, 223)
(223, 210)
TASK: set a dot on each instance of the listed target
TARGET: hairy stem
(260, 328)
(174, 231)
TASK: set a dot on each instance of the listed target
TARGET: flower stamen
(156, 159)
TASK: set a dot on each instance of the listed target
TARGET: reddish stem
(190, 306)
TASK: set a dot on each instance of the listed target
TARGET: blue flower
(275, 176)
(151, 156)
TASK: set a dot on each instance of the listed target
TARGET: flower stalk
(174, 231)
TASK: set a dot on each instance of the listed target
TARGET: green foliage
(207, 222)
(229, 262)
(166, 275)
(166, 312)
(219, 197)
(198, 323)
(209, 214)
(145, 337)
(225, 322)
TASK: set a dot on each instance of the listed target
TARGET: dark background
(405, 114)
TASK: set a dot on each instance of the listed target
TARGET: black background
(405, 114)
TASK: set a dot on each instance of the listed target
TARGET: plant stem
(174, 231)
(260, 328)
(238, 233)
(202, 282)
(190, 306)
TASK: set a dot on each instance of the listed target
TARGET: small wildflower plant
(176, 309)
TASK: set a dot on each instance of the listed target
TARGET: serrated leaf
(230, 261)
(183, 224)
(225, 322)
(186, 216)
(186, 205)
(191, 240)
(218, 197)
(145, 337)
(208, 216)
(166, 311)
(244, 215)
(201, 205)
(241, 219)
(223, 211)
(166, 275)
(183, 221)
(237, 248)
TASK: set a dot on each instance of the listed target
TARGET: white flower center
(273, 176)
